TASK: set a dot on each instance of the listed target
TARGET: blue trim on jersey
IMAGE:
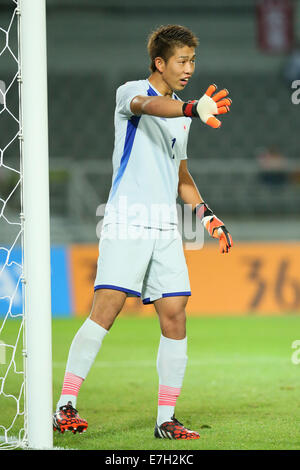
(122, 289)
(147, 301)
(129, 139)
(151, 92)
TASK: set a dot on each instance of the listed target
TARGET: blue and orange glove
(208, 106)
(214, 226)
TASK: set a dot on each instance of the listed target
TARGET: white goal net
(12, 383)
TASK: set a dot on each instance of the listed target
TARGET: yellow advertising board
(254, 278)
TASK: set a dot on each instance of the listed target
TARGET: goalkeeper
(149, 170)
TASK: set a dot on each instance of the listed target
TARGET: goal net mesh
(12, 376)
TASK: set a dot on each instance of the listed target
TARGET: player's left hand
(217, 229)
(212, 104)
(208, 106)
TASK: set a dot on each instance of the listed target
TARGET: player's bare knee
(177, 316)
(173, 317)
(172, 308)
(173, 323)
(107, 305)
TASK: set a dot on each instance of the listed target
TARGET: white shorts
(142, 261)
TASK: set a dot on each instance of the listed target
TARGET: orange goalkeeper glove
(214, 226)
(206, 107)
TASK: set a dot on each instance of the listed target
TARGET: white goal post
(38, 371)
(34, 235)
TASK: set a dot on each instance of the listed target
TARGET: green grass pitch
(241, 389)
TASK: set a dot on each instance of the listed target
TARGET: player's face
(179, 69)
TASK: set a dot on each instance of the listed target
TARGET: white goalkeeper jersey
(146, 159)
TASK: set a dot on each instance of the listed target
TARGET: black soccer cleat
(174, 430)
(68, 419)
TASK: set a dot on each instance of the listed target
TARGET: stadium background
(248, 172)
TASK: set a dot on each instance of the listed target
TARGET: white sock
(171, 365)
(82, 353)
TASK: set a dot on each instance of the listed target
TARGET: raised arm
(160, 106)
(206, 108)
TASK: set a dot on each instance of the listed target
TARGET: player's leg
(172, 354)
(171, 366)
(172, 316)
(167, 286)
(85, 346)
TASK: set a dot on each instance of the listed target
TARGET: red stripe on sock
(168, 395)
(71, 385)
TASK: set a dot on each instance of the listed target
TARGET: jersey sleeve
(124, 96)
